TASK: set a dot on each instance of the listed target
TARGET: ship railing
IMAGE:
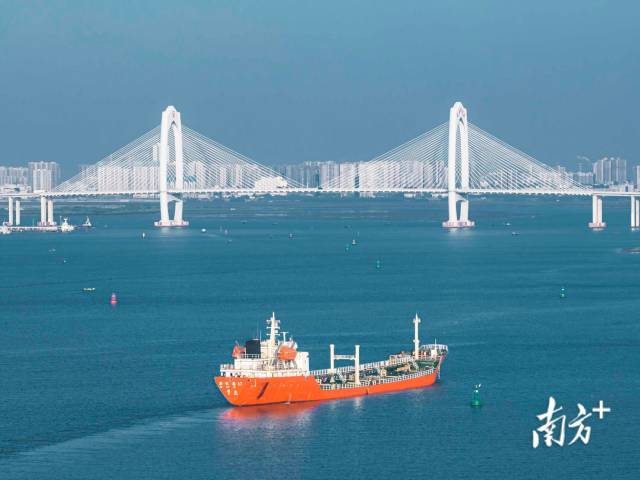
(377, 381)
(250, 355)
(437, 346)
(228, 370)
(269, 369)
(365, 366)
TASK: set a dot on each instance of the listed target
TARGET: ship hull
(245, 391)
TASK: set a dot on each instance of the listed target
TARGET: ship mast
(416, 339)
(273, 329)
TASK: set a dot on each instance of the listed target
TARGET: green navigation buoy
(475, 396)
(563, 293)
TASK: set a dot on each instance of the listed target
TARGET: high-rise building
(618, 170)
(43, 175)
(145, 178)
(112, 178)
(328, 171)
(349, 175)
(602, 171)
(610, 171)
(311, 174)
(637, 177)
(585, 178)
(14, 175)
(196, 174)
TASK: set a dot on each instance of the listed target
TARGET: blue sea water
(89, 391)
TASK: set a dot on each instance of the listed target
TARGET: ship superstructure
(275, 371)
(275, 356)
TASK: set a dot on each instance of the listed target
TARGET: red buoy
(114, 300)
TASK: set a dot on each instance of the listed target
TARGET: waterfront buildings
(43, 176)
(362, 174)
(607, 172)
(585, 178)
(14, 179)
(610, 171)
(34, 177)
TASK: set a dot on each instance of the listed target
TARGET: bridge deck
(299, 190)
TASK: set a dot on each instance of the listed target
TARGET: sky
(291, 81)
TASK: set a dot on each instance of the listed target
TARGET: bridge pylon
(171, 122)
(458, 123)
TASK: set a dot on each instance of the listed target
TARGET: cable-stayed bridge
(456, 158)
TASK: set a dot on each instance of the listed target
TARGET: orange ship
(275, 371)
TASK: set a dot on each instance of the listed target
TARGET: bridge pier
(10, 211)
(46, 213)
(43, 212)
(454, 221)
(165, 220)
(17, 212)
(177, 214)
(50, 221)
(635, 213)
(596, 215)
(164, 210)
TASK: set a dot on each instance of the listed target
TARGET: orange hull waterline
(244, 392)
(274, 371)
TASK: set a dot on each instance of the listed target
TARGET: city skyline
(606, 172)
(35, 176)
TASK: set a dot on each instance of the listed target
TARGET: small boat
(353, 242)
(114, 299)
(87, 224)
(89, 289)
(203, 230)
(65, 227)
(144, 234)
